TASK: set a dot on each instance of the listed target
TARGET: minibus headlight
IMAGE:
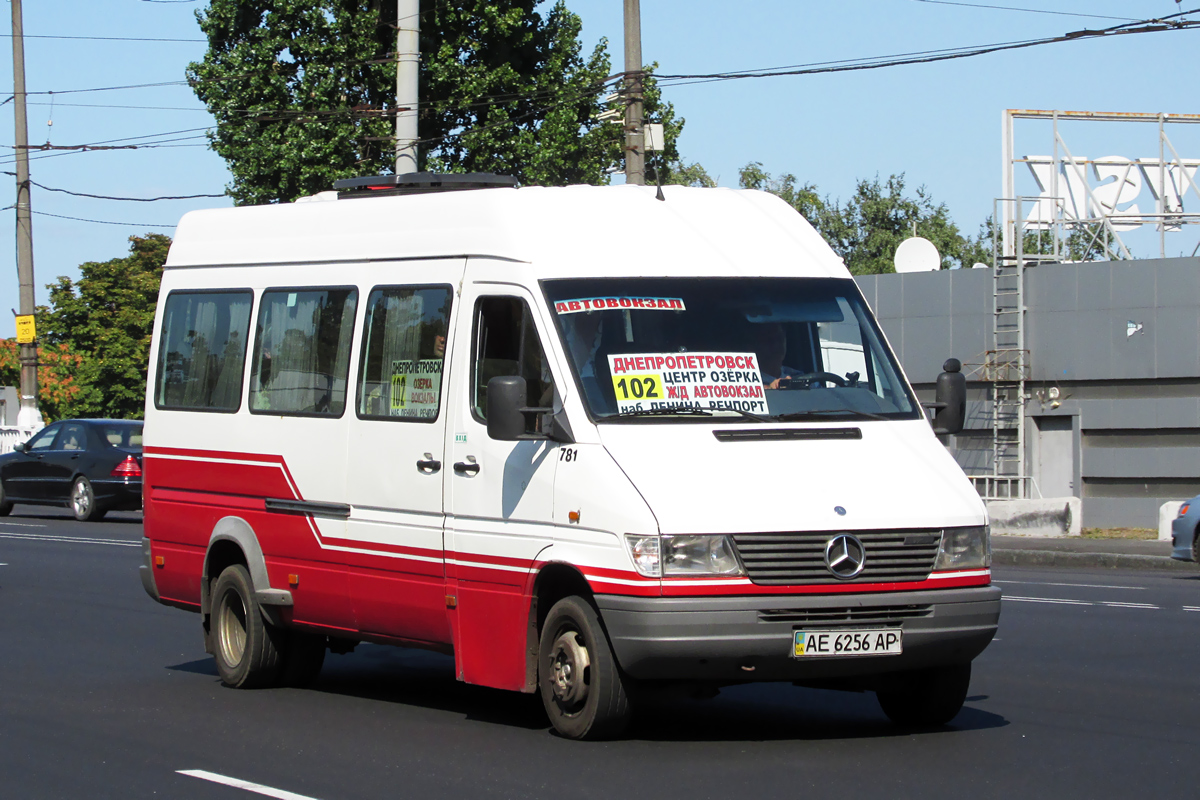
(645, 552)
(965, 548)
(689, 554)
(699, 555)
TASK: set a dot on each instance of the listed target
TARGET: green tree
(303, 93)
(803, 198)
(107, 319)
(1084, 242)
(61, 392)
(866, 230)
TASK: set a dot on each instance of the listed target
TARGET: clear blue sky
(937, 123)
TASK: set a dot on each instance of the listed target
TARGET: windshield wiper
(827, 412)
(746, 414)
(686, 411)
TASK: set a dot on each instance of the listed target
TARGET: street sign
(26, 332)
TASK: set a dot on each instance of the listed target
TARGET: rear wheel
(245, 646)
(83, 501)
(581, 684)
(925, 698)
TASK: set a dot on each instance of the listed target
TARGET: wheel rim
(81, 500)
(231, 629)
(569, 670)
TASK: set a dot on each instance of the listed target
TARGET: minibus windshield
(695, 349)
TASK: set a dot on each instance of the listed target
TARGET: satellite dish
(979, 265)
(917, 255)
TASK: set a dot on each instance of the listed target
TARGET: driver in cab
(770, 343)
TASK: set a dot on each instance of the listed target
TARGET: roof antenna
(658, 178)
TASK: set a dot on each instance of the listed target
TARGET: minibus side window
(506, 343)
(403, 352)
(203, 351)
(301, 360)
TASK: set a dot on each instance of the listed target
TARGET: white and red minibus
(584, 439)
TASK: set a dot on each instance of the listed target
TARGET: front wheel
(6, 505)
(246, 647)
(925, 698)
(581, 684)
(83, 501)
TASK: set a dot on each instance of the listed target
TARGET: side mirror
(508, 416)
(506, 396)
(950, 406)
(20, 447)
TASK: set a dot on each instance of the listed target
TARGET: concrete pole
(635, 153)
(28, 416)
(408, 72)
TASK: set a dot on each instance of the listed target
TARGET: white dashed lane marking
(47, 537)
(1080, 585)
(20, 524)
(1067, 602)
(257, 788)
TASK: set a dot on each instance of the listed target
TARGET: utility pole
(635, 152)
(28, 416)
(408, 72)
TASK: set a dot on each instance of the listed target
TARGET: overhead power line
(878, 62)
(104, 221)
(127, 199)
(1027, 10)
(102, 38)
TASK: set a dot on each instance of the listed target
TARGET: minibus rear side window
(203, 351)
(403, 352)
(301, 360)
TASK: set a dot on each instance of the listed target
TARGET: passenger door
(499, 494)
(396, 462)
(25, 475)
(60, 464)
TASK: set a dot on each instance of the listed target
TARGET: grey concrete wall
(1137, 395)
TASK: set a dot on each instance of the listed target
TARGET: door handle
(465, 468)
(428, 464)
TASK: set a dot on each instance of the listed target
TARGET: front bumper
(750, 638)
(146, 571)
(1183, 532)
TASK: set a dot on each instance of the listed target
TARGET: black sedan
(92, 466)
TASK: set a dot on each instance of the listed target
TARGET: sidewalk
(1027, 551)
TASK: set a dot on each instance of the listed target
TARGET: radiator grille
(778, 559)
(873, 615)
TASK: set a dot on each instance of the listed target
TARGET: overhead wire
(102, 221)
(1028, 10)
(878, 62)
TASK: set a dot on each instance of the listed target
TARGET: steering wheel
(812, 377)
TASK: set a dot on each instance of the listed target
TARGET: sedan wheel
(83, 501)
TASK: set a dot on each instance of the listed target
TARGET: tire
(581, 684)
(302, 659)
(925, 698)
(83, 501)
(246, 647)
(5, 506)
(1195, 542)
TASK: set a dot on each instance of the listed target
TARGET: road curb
(1058, 558)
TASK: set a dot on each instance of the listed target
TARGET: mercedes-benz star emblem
(845, 556)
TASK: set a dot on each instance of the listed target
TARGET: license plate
(877, 642)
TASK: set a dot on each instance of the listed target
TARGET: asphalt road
(1089, 691)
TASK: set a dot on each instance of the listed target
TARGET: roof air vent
(420, 183)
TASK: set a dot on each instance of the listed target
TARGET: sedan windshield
(675, 349)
